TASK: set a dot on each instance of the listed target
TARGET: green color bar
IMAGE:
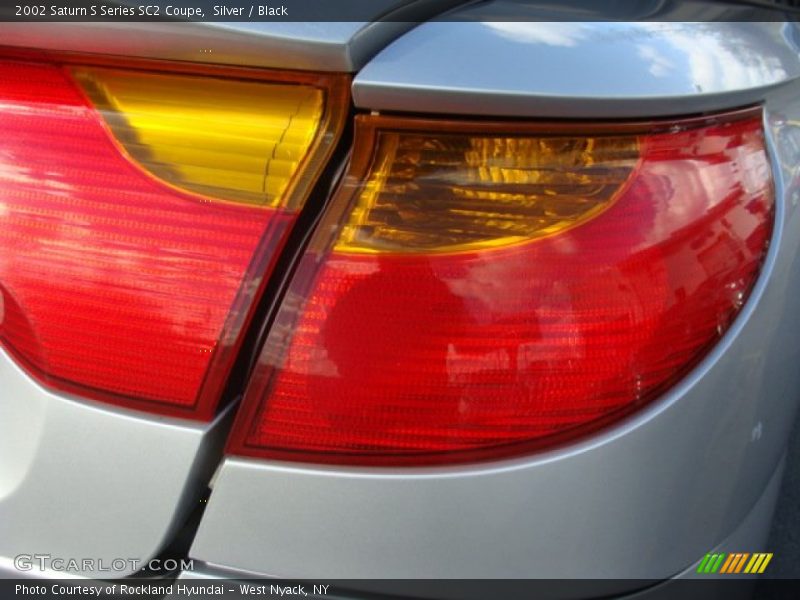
(718, 563)
(701, 567)
(711, 562)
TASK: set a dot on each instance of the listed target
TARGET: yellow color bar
(758, 562)
(227, 139)
(765, 562)
(754, 562)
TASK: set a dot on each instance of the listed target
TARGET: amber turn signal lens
(229, 139)
(445, 192)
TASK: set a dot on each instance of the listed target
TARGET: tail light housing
(478, 290)
(140, 215)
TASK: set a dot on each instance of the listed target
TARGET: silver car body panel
(750, 534)
(578, 69)
(82, 480)
(342, 46)
(642, 499)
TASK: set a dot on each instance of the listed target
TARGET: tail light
(481, 290)
(140, 213)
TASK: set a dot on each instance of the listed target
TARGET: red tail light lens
(134, 240)
(480, 290)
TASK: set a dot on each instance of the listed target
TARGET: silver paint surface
(81, 480)
(342, 46)
(578, 69)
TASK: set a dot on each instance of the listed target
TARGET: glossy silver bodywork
(83, 480)
(343, 46)
(750, 533)
(645, 498)
(306, 46)
(578, 69)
